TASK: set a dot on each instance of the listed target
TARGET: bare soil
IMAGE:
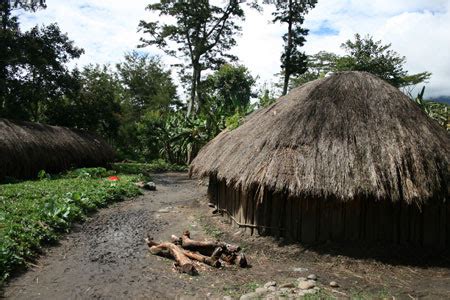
(106, 257)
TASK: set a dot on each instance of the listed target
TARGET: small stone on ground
(306, 285)
(334, 284)
(312, 277)
(270, 283)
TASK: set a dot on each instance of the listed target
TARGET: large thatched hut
(26, 148)
(347, 157)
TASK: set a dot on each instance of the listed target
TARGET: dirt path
(106, 258)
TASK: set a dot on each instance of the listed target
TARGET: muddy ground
(106, 257)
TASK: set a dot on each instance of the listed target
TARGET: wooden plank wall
(312, 220)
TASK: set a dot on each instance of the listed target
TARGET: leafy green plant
(43, 175)
(437, 111)
(88, 173)
(35, 213)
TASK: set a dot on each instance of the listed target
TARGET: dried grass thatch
(349, 135)
(26, 148)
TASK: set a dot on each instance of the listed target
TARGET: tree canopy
(33, 69)
(365, 54)
(149, 86)
(202, 32)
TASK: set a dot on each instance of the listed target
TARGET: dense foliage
(365, 54)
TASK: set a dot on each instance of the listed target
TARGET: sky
(417, 29)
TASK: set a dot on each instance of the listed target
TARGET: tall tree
(35, 72)
(292, 13)
(202, 32)
(33, 69)
(365, 54)
(9, 34)
(149, 86)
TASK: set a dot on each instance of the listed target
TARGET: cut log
(184, 249)
(206, 247)
(210, 261)
(183, 263)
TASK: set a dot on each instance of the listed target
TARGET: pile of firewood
(184, 250)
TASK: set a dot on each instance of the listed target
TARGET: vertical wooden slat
(287, 219)
(267, 211)
(404, 224)
(308, 221)
(251, 209)
(448, 224)
(275, 230)
(247, 210)
(325, 215)
(294, 218)
(431, 225)
(362, 219)
(447, 209)
(349, 220)
(396, 224)
(442, 224)
(337, 231)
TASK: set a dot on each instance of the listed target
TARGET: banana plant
(436, 111)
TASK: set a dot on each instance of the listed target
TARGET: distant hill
(442, 99)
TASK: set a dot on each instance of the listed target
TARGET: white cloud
(417, 29)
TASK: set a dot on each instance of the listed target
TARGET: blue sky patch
(324, 29)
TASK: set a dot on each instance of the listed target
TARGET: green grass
(147, 168)
(36, 213)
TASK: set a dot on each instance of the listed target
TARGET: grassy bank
(147, 168)
(36, 213)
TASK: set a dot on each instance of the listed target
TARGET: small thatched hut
(348, 157)
(26, 148)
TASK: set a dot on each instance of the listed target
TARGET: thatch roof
(26, 148)
(348, 135)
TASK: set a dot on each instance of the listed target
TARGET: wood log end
(176, 240)
(242, 260)
(217, 253)
(186, 268)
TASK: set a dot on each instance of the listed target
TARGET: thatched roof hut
(341, 152)
(26, 148)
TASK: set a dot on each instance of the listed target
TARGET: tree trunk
(193, 91)
(198, 99)
(287, 59)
